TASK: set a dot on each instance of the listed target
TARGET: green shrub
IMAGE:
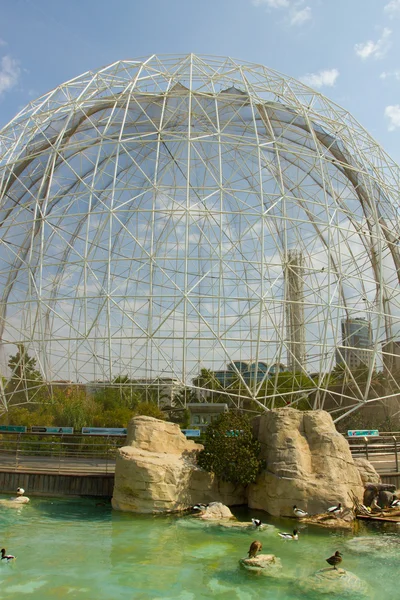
(230, 449)
(149, 409)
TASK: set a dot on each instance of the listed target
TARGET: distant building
(391, 357)
(201, 415)
(248, 371)
(356, 348)
(294, 308)
(163, 390)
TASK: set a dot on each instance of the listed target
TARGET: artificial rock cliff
(156, 472)
(308, 463)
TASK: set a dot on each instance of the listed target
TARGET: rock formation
(216, 511)
(265, 564)
(309, 464)
(156, 472)
(331, 583)
(367, 471)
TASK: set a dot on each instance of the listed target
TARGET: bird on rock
(299, 512)
(289, 536)
(200, 507)
(256, 522)
(5, 556)
(334, 560)
(255, 547)
(335, 510)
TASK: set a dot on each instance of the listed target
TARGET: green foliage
(149, 409)
(71, 408)
(232, 458)
(122, 394)
(25, 383)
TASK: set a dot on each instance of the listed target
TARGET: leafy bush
(149, 409)
(230, 450)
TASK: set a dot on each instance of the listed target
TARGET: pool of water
(80, 548)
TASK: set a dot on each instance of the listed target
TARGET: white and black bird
(256, 522)
(395, 503)
(299, 512)
(289, 536)
(5, 556)
(335, 510)
(200, 507)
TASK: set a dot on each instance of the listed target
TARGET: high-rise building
(356, 348)
(294, 304)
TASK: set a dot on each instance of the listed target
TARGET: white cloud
(298, 17)
(387, 74)
(9, 73)
(393, 114)
(392, 8)
(297, 14)
(317, 80)
(272, 3)
(3, 42)
(376, 49)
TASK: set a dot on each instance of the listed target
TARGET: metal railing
(382, 451)
(59, 454)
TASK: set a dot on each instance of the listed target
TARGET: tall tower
(356, 348)
(294, 299)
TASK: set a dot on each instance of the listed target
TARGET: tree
(230, 449)
(149, 409)
(26, 383)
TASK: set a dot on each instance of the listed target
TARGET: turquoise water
(78, 549)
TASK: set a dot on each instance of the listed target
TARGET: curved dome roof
(169, 214)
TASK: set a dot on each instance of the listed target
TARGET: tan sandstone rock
(216, 511)
(367, 471)
(265, 564)
(156, 472)
(309, 464)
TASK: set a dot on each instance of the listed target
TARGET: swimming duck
(255, 547)
(20, 498)
(5, 556)
(334, 560)
(256, 522)
(289, 536)
(299, 512)
(335, 510)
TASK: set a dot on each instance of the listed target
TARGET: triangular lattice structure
(171, 214)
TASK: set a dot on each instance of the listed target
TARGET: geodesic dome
(171, 214)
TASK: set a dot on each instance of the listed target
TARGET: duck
(20, 498)
(335, 510)
(5, 556)
(334, 560)
(200, 507)
(256, 522)
(255, 547)
(395, 503)
(299, 512)
(289, 536)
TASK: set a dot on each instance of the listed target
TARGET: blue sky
(347, 49)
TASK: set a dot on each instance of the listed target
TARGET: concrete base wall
(53, 484)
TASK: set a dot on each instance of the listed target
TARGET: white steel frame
(148, 213)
